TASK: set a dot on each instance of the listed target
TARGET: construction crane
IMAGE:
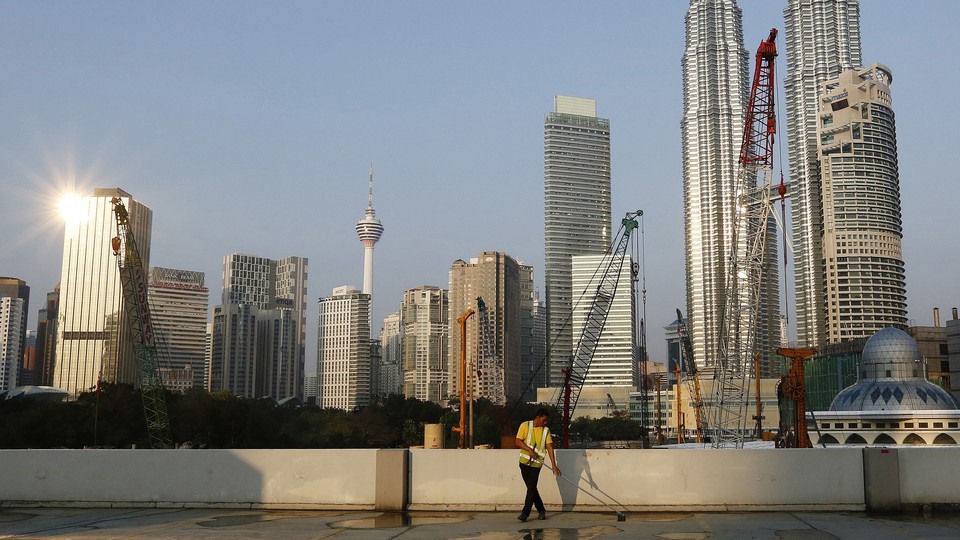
(133, 283)
(489, 357)
(744, 278)
(792, 397)
(692, 374)
(462, 428)
(576, 371)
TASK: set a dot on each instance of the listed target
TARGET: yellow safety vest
(540, 447)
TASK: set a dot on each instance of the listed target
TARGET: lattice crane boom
(133, 282)
(692, 373)
(744, 278)
(576, 371)
(489, 357)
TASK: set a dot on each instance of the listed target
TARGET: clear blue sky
(249, 127)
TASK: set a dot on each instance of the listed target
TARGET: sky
(249, 127)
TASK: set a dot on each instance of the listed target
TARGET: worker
(535, 443)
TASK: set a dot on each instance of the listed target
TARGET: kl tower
(369, 230)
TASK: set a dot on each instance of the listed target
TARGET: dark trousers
(530, 476)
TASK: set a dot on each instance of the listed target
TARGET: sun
(72, 207)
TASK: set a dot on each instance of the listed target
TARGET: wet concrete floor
(207, 523)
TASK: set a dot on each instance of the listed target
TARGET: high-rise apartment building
(715, 93)
(533, 365)
(343, 349)
(17, 288)
(179, 302)
(576, 210)
(12, 324)
(614, 360)
(495, 277)
(259, 330)
(860, 196)
(92, 339)
(47, 338)
(390, 377)
(822, 40)
(424, 320)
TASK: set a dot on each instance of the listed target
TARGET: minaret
(369, 230)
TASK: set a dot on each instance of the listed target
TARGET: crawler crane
(692, 373)
(133, 282)
(575, 373)
(750, 219)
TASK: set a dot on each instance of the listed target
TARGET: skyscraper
(257, 345)
(576, 210)
(12, 324)
(17, 289)
(533, 366)
(495, 277)
(715, 93)
(390, 377)
(92, 340)
(369, 229)
(179, 302)
(343, 349)
(424, 317)
(614, 361)
(823, 39)
(860, 195)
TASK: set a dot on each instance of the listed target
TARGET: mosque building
(891, 403)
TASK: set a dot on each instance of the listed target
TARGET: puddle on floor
(804, 534)
(585, 533)
(235, 520)
(684, 536)
(10, 517)
(392, 520)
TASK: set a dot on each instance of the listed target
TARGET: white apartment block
(343, 349)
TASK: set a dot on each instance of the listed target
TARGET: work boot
(523, 517)
(542, 515)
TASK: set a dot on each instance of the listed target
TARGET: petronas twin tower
(822, 41)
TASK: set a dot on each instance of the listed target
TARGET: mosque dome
(891, 378)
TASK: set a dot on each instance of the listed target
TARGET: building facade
(47, 338)
(495, 277)
(92, 340)
(576, 211)
(179, 302)
(343, 349)
(12, 324)
(17, 288)
(862, 259)
(822, 40)
(615, 359)
(259, 330)
(424, 319)
(715, 94)
(390, 379)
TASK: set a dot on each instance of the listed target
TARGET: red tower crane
(744, 279)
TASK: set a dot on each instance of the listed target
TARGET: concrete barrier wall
(638, 480)
(929, 475)
(644, 480)
(288, 478)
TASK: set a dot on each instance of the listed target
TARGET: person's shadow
(577, 480)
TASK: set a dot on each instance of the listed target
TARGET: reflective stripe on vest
(540, 449)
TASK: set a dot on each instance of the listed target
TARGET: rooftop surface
(207, 523)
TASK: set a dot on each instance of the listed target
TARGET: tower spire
(369, 229)
(370, 196)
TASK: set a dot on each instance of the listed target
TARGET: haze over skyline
(249, 128)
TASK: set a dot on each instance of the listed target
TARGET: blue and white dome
(892, 378)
